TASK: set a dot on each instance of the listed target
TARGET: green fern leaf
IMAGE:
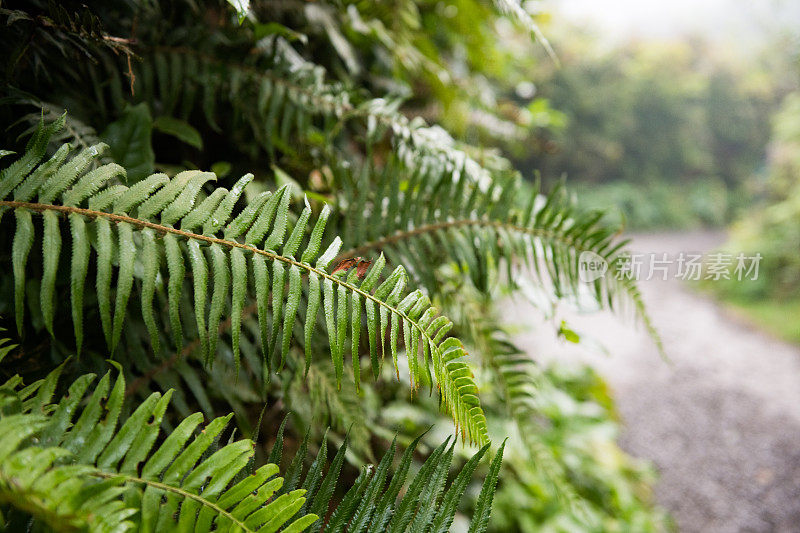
(21, 247)
(372, 502)
(177, 485)
(483, 508)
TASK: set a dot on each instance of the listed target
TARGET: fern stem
(431, 228)
(114, 217)
(176, 490)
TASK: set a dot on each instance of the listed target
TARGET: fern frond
(157, 219)
(284, 101)
(31, 481)
(380, 500)
(73, 466)
(435, 217)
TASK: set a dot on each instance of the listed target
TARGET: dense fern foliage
(276, 299)
(68, 465)
(249, 249)
(92, 474)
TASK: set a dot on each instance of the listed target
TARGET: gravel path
(721, 422)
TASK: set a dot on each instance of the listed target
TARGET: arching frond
(434, 217)
(289, 95)
(152, 230)
(74, 466)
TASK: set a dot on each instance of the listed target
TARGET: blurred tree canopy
(652, 123)
(774, 229)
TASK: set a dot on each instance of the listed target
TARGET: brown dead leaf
(363, 265)
(344, 265)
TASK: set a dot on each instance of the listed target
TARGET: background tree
(648, 125)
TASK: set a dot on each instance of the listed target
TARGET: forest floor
(720, 420)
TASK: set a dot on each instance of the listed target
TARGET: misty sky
(718, 19)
